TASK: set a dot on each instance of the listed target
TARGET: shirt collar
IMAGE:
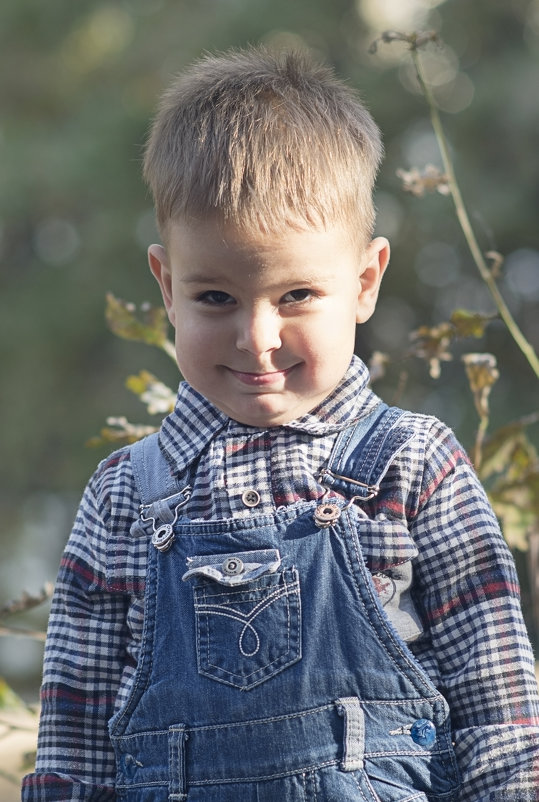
(194, 421)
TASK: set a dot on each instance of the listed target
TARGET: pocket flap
(234, 569)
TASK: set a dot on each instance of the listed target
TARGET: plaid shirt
(474, 645)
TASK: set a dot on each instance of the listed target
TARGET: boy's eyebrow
(305, 281)
(199, 278)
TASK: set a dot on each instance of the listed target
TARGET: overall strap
(151, 470)
(156, 486)
(362, 453)
(160, 492)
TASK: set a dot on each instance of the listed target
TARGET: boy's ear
(373, 266)
(159, 265)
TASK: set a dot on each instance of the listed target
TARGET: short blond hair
(265, 141)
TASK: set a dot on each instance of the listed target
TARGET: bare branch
(26, 601)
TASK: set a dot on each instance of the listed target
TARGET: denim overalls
(269, 670)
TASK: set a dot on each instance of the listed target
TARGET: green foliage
(8, 698)
(120, 432)
(432, 343)
(510, 471)
(151, 327)
(13, 710)
(157, 396)
(469, 324)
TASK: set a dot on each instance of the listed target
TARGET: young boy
(293, 592)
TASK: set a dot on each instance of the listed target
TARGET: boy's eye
(296, 296)
(215, 298)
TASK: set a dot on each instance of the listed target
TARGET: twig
(14, 728)
(477, 455)
(19, 632)
(464, 220)
(26, 601)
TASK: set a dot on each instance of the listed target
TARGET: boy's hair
(265, 141)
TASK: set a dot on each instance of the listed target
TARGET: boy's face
(265, 324)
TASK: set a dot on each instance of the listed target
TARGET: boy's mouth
(261, 378)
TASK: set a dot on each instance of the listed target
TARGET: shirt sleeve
(85, 654)
(475, 641)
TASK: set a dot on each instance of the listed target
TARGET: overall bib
(269, 670)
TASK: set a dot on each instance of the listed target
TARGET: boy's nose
(259, 332)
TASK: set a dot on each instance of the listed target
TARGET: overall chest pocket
(247, 616)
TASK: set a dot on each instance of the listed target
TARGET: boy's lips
(261, 378)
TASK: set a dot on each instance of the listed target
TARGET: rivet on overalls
(325, 514)
(162, 537)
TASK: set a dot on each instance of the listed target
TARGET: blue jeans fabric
(269, 669)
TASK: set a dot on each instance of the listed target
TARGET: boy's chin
(265, 411)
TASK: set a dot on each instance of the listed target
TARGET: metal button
(251, 498)
(163, 537)
(325, 514)
(423, 732)
(233, 566)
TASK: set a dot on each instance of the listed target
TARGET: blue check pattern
(474, 645)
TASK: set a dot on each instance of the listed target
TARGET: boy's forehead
(209, 253)
(197, 234)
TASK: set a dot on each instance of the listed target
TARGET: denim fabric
(269, 668)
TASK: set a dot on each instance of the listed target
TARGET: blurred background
(78, 85)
